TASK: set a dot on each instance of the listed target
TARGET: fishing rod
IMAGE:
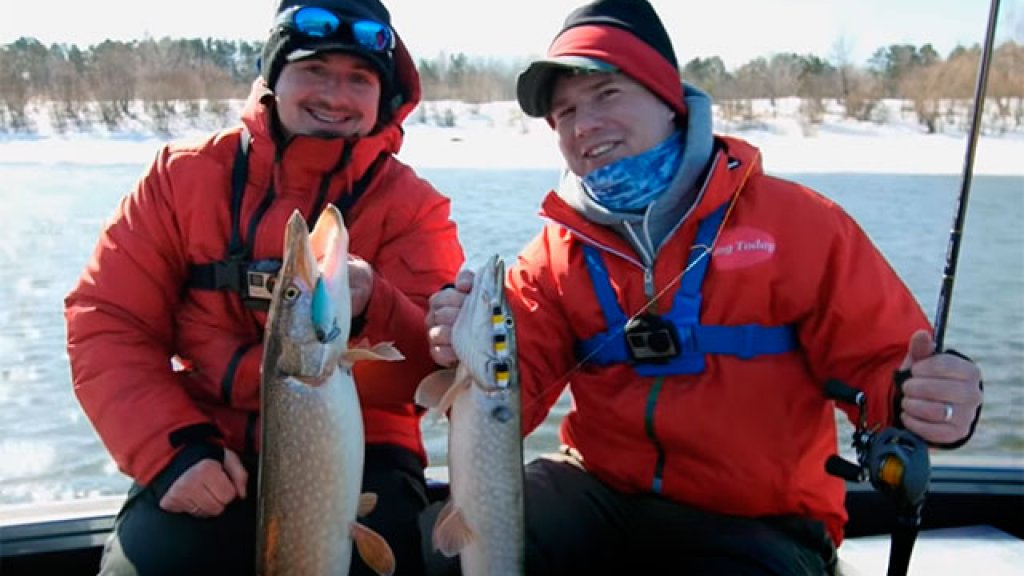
(956, 234)
(906, 454)
(894, 459)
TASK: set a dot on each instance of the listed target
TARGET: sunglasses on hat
(316, 22)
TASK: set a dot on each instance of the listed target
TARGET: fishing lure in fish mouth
(502, 329)
(325, 317)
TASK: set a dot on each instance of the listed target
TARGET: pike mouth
(308, 378)
(314, 381)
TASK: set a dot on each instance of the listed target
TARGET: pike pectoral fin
(451, 533)
(453, 392)
(367, 502)
(373, 549)
(385, 351)
(432, 389)
(380, 351)
(439, 390)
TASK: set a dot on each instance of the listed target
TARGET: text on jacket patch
(741, 247)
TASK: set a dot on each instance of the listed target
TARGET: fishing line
(621, 329)
(643, 309)
(705, 252)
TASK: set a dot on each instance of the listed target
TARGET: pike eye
(502, 414)
(291, 292)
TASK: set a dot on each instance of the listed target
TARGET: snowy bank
(497, 135)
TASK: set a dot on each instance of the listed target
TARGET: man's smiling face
(331, 94)
(602, 117)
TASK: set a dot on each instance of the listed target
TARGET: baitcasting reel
(894, 460)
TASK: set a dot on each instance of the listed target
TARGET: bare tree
(863, 93)
(783, 77)
(817, 81)
(14, 89)
(709, 74)
(68, 92)
(921, 85)
(851, 82)
(113, 79)
(1006, 85)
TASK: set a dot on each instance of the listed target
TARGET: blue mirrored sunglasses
(322, 23)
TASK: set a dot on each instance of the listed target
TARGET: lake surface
(50, 216)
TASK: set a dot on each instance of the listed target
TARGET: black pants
(147, 541)
(575, 524)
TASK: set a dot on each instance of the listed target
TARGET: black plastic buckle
(227, 274)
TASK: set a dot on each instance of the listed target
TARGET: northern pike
(483, 521)
(311, 458)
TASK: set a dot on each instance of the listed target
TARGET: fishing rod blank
(904, 533)
(955, 235)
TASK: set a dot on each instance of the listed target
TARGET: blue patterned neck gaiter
(630, 184)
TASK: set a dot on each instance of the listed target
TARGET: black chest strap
(237, 272)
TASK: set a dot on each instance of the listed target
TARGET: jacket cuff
(198, 444)
(181, 462)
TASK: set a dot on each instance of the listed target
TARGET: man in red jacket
(181, 272)
(695, 307)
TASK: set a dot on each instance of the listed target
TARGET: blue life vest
(694, 339)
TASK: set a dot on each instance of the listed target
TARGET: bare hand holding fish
(443, 308)
(207, 487)
(360, 278)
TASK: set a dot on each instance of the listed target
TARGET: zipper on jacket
(648, 270)
(652, 403)
(642, 248)
(599, 245)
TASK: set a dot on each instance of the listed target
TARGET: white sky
(735, 30)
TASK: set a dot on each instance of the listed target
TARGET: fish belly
(486, 477)
(311, 476)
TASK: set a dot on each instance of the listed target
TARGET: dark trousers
(147, 541)
(575, 524)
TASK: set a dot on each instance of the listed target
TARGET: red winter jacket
(130, 311)
(745, 437)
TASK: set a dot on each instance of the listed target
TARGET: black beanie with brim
(285, 45)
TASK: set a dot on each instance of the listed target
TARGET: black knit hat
(285, 45)
(606, 36)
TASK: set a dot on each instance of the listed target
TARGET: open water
(50, 216)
